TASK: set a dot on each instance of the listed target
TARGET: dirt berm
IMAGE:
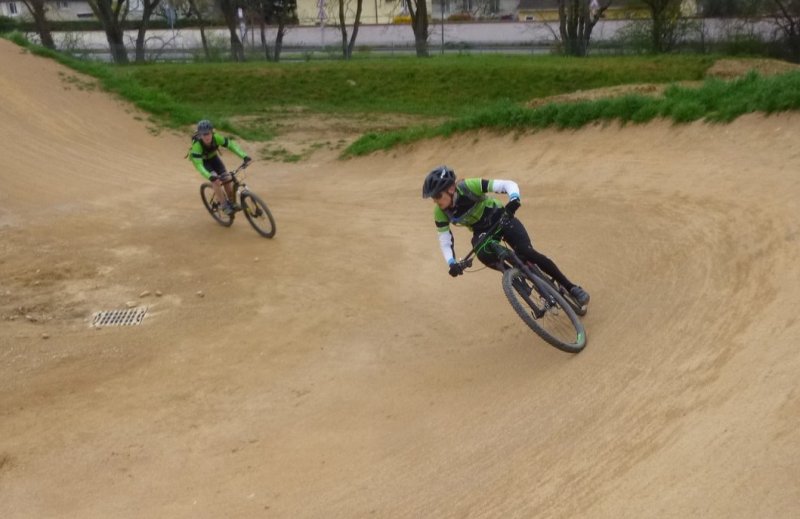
(338, 371)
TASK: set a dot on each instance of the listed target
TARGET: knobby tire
(258, 214)
(214, 207)
(572, 338)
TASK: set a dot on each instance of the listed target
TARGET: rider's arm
(196, 156)
(479, 186)
(504, 186)
(446, 241)
(229, 143)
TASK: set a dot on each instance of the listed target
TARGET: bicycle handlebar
(466, 262)
(244, 165)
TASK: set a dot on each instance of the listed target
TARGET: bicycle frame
(507, 257)
(237, 182)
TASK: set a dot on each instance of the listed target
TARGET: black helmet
(204, 126)
(437, 181)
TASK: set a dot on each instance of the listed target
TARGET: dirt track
(337, 371)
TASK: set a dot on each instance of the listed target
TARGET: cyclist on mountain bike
(465, 203)
(204, 153)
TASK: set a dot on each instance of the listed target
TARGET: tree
(230, 10)
(576, 19)
(664, 15)
(418, 10)
(112, 15)
(148, 7)
(279, 13)
(347, 47)
(195, 10)
(38, 12)
(786, 14)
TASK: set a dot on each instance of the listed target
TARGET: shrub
(7, 24)
(460, 17)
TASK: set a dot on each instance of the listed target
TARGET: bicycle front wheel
(544, 310)
(214, 206)
(257, 213)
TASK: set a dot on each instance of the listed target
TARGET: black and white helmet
(204, 126)
(437, 181)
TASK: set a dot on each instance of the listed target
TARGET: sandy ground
(338, 371)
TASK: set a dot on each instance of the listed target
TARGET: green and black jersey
(199, 152)
(471, 208)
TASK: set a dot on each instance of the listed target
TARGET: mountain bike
(545, 307)
(253, 207)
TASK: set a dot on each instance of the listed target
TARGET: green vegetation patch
(477, 91)
(448, 85)
(715, 101)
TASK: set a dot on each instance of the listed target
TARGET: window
(63, 4)
(12, 8)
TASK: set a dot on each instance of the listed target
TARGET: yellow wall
(308, 11)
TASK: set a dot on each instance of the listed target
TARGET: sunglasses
(439, 195)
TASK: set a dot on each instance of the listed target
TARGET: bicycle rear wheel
(214, 206)
(257, 213)
(544, 310)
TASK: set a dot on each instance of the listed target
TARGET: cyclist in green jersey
(464, 202)
(204, 154)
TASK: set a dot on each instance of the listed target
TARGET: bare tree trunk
(148, 7)
(663, 26)
(343, 29)
(347, 46)
(356, 25)
(418, 10)
(201, 22)
(787, 18)
(229, 12)
(576, 22)
(279, 39)
(38, 12)
(112, 16)
(264, 45)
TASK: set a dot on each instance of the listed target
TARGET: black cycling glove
(456, 270)
(512, 206)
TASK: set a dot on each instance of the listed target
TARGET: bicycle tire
(565, 332)
(258, 214)
(213, 207)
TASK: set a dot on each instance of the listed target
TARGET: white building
(62, 10)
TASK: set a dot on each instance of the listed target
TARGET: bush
(18, 38)
(460, 17)
(635, 37)
(7, 24)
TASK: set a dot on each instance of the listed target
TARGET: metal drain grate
(127, 317)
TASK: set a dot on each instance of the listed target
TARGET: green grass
(179, 94)
(716, 101)
(477, 91)
(440, 86)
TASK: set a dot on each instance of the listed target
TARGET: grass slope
(715, 101)
(477, 91)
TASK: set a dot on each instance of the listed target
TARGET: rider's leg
(516, 236)
(222, 190)
(488, 259)
(216, 165)
(219, 193)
